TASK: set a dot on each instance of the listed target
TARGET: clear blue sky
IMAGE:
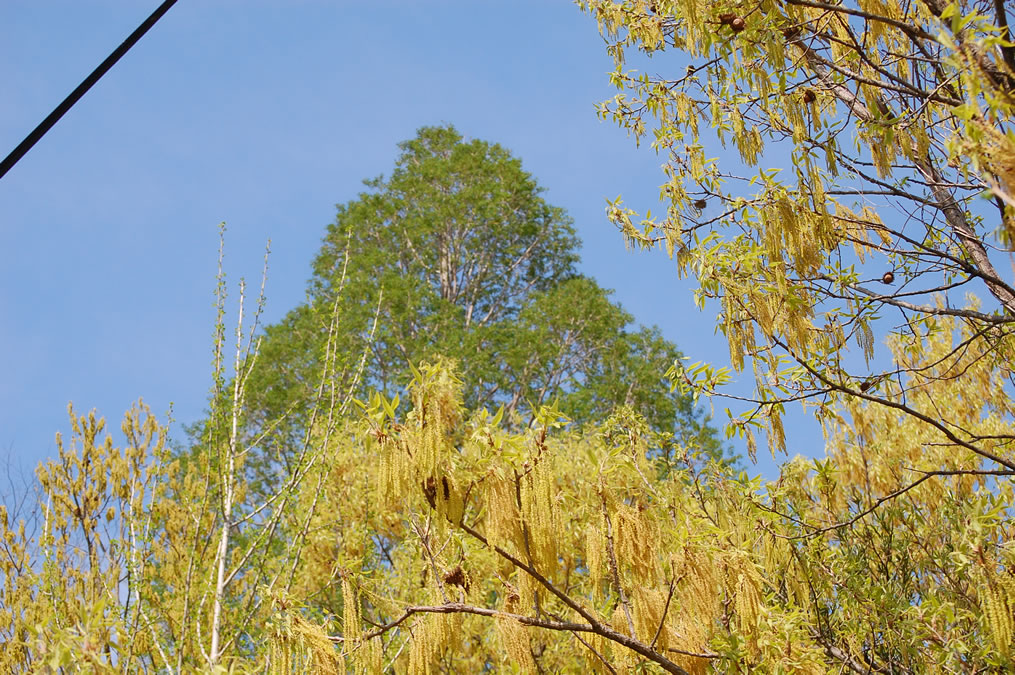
(264, 114)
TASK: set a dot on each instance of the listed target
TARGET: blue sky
(265, 114)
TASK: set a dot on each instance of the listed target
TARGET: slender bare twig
(666, 609)
(901, 407)
(595, 652)
(614, 571)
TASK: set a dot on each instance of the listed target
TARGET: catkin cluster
(997, 601)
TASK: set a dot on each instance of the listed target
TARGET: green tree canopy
(457, 254)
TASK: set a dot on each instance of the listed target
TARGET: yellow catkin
(540, 515)
(743, 583)
(426, 448)
(370, 657)
(350, 612)
(501, 512)
(647, 608)
(320, 650)
(619, 619)
(595, 555)
(623, 659)
(689, 636)
(436, 397)
(300, 645)
(997, 601)
(995, 151)
(395, 473)
(636, 541)
(444, 496)
(279, 653)
(527, 589)
(514, 638)
(429, 639)
(419, 652)
(697, 604)
(594, 659)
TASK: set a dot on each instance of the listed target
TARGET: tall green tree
(457, 254)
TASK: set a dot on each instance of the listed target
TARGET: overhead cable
(85, 85)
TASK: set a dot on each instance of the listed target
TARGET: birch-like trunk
(228, 494)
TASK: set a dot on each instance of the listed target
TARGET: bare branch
(569, 626)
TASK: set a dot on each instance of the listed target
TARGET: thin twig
(614, 571)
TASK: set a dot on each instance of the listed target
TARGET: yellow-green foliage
(64, 602)
(848, 208)
(297, 645)
(565, 551)
(850, 204)
(710, 570)
(436, 539)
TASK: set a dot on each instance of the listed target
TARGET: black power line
(81, 89)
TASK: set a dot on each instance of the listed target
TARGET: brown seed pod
(791, 33)
(888, 278)
(430, 492)
(700, 204)
(726, 18)
(457, 577)
(865, 385)
(738, 24)
(809, 96)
